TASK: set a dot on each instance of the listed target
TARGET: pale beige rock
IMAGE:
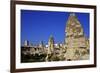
(51, 44)
(75, 40)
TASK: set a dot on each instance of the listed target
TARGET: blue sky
(37, 26)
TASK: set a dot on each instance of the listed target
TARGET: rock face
(75, 41)
(50, 45)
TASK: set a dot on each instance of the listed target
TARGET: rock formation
(75, 40)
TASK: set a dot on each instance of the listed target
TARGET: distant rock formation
(51, 44)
